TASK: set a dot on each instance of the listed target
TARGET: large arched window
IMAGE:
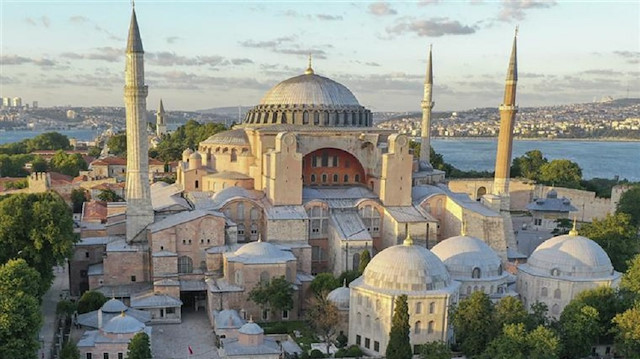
(430, 327)
(234, 155)
(432, 307)
(305, 118)
(476, 273)
(555, 309)
(185, 264)
(356, 261)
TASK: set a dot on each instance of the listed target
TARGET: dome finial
(344, 282)
(408, 241)
(573, 231)
(309, 70)
(122, 313)
(259, 237)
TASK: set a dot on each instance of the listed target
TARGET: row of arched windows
(342, 118)
(324, 178)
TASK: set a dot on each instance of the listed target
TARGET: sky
(205, 54)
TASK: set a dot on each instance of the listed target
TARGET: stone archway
(480, 192)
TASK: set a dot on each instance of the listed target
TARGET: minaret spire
(137, 191)
(508, 111)
(427, 105)
(161, 126)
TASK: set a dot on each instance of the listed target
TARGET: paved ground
(172, 341)
(528, 239)
(49, 301)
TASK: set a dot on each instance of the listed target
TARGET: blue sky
(203, 54)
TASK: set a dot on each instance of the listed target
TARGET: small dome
(340, 297)
(462, 254)
(195, 156)
(571, 255)
(251, 328)
(187, 152)
(260, 252)
(233, 137)
(123, 324)
(113, 306)
(406, 268)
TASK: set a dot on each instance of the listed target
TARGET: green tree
(631, 278)
(473, 323)
(579, 329)
(48, 141)
(118, 144)
(78, 197)
(19, 184)
(66, 308)
(608, 303)
(277, 294)
(68, 164)
(543, 343)
(630, 204)
(348, 276)
(95, 151)
(561, 173)
(627, 330)
(39, 228)
(399, 346)
(39, 164)
(537, 315)
(90, 301)
(20, 317)
(511, 344)
(509, 310)
(435, 350)
(365, 258)
(324, 317)
(108, 195)
(187, 136)
(13, 165)
(616, 235)
(139, 347)
(323, 283)
(69, 350)
(529, 165)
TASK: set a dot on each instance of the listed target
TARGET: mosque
(304, 185)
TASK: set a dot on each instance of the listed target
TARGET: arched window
(367, 322)
(185, 264)
(254, 231)
(416, 327)
(476, 273)
(557, 294)
(255, 214)
(264, 277)
(359, 319)
(324, 178)
(313, 178)
(430, 327)
(234, 155)
(543, 292)
(432, 307)
(197, 184)
(283, 118)
(555, 272)
(326, 118)
(316, 118)
(274, 117)
(346, 178)
(418, 307)
(240, 211)
(555, 309)
(241, 229)
(335, 178)
(500, 269)
(356, 178)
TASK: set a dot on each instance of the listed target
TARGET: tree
(277, 294)
(39, 228)
(511, 344)
(543, 343)
(109, 195)
(39, 164)
(509, 310)
(537, 315)
(20, 317)
(435, 350)
(631, 278)
(90, 301)
(69, 350)
(118, 144)
(630, 204)
(365, 258)
(348, 276)
(399, 346)
(323, 283)
(473, 323)
(78, 197)
(608, 303)
(13, 165)
(187, 136)
(579, 328)
(95, 151)
(561, 173)
(616, 235)
(139, 347)
(627, 330)
(528, 165)
(48, 141)
(68, 164)
(324, 317)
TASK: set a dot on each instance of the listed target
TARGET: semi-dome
(467, 257)
(406, 268)
(309, 99)
(571, 255)
(113, 306)
(123, 324)
(237, 137)
(340, 297)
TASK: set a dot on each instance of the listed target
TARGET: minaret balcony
(508, 108)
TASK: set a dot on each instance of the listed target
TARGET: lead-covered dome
(571, 256)
(309, 99)
(123, 324)
(260, 252)
(113, 306)
(340, 297)
(468, 257)
(406, 268)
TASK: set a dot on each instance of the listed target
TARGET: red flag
(190, 350)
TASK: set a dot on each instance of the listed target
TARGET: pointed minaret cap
(512, 73)
(161, 108)
(309, 70)
(429, 78)
(134, 43)
(573, 232)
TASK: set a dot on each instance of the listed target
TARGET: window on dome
(353, 119)
(326, 118)
(283, 118)
(274, 117)
(555, 272)
(476, 273)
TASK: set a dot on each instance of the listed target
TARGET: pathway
(49, 301)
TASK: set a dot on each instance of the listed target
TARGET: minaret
(427, 105)
(138, 197)
(161, 127)
(508, 111)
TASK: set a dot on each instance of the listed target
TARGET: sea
(602, 159)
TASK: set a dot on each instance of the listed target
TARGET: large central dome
(312, 100)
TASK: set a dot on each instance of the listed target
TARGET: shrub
(315, 353)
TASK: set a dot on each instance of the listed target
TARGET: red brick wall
(347, 165)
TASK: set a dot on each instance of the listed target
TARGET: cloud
(328, 17)
(267, 44)
(21, 60)
(82, 20)
(286, 45)
(427, 2)
(108, 54)
(241, 61)
(632, 57)
(165, 58)
(43, 20)
(183, 80)
(381, 9)
(78, 19)
(434, 27)
(372, 64)
(602, 72)
(515, 9)
(30, 21)
(172, 39)
(7, 80)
